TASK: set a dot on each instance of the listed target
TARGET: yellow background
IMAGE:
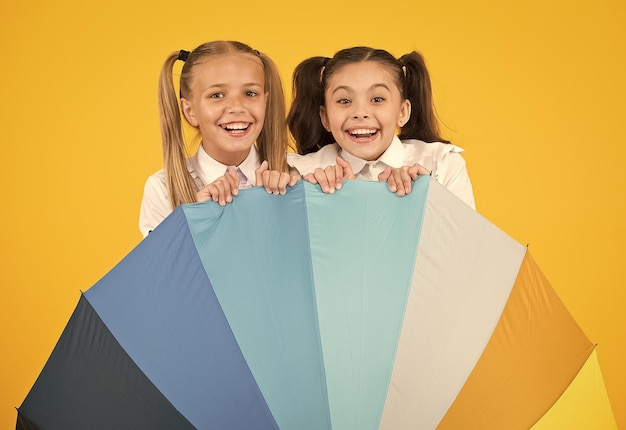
(534, 91)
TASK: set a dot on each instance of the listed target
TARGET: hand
(399, 179)
(222, 189)
(331, 178)
(275, 182)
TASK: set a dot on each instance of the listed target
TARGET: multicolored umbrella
(358, 310)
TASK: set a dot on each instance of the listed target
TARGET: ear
(187, 109)
(324, 118)
(405, 113)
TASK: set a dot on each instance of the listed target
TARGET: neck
(227, 158)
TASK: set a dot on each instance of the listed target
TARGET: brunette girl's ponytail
(422, 124)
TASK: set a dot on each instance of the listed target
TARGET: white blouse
(444, 160)
(155, 205)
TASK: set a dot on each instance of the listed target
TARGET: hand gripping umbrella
(358, 310)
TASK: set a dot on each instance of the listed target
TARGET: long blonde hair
(272, 141)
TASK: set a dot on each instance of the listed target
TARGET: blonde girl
(346, 112)
(233, 95)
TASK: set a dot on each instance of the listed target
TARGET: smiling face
(363, 107)
(227, 104)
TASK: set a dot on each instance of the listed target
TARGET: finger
(404, 182)
(294, 180)
(338, 176)
(414, 171)
(284, 179)
(220, 196)
(348, 173)
(331, 178)
(310, 177)
(274, 181)
(227, 186)
(213, 192)
(204, 195)
(233, 179)
(393, 186)
(320, 176)
(417, 169)
(265, 181)
(259, 172)
(231, 183)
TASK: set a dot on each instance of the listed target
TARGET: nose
(360, 111)
(360, 116)
(236, 105)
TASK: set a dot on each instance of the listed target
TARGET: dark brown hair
(310, 79)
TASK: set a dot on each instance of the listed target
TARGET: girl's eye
(251, 93)
(343, 101)
(378, 99)
(216, 95)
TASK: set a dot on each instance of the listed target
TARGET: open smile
(362, 135)
(236, 129)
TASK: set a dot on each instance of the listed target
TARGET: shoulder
(307, 163)
(433, 154)
(432, 148)
(156, 180)
(155, 189)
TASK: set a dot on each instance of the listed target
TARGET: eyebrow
(247, 84)
(347, 88)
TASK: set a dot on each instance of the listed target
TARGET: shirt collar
(392, 157)
(209, 169)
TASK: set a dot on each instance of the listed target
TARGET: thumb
(385, 174)
(294, 179)
(348, 173)
(232, 172)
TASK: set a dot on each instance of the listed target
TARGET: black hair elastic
(183, 55)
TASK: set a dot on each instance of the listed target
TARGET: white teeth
(237, 126)
(359, 131)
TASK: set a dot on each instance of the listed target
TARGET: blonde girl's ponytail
(272, 142)
(180, 186)
(422, 124)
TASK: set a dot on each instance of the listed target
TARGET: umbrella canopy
(358, 310)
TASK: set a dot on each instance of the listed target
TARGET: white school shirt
(444, 160)
(155, 205)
